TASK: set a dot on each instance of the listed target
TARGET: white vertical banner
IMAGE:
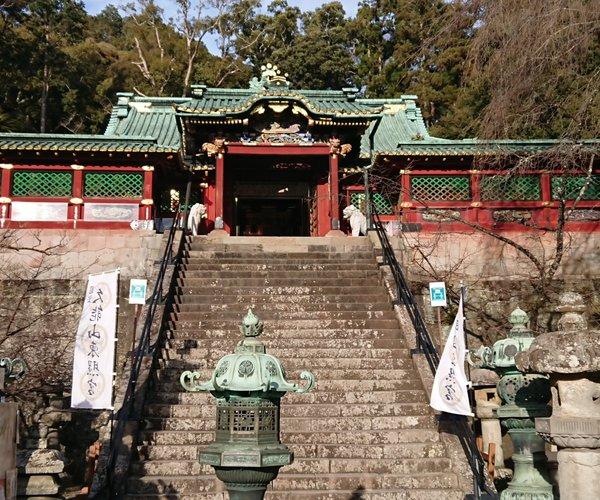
(450, 385)
(94, 357)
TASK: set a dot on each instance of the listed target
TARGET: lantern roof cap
(248, 370)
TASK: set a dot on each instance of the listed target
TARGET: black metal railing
(481, 484)
(145, 349)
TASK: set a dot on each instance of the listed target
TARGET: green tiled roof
(400, 122)
(433, 146)
(80, 142)
(149, 116)
(216, 102)
(150, 124)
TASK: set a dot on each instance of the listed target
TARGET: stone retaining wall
(42, 282)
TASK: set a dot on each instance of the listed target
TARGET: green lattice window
(113, 185)
(510, 187)
(440, 187)
(381, 203)
(42, 183)
(572, 186)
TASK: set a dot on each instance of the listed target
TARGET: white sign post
(94, 357)
(437, 297)
(137, 296)
(437, 294)
(137, 291)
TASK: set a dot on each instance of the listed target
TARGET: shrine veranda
(276, 161)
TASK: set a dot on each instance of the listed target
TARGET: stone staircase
(366, 431)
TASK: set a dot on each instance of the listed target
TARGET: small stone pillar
(524, 397)
(486, 401)
(571, 357)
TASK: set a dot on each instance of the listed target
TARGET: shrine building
(273, 160)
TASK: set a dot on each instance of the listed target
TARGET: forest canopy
(485, 68)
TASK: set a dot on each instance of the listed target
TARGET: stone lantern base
(530, 478)
(579, 454)
(246, 469)
(247, 483)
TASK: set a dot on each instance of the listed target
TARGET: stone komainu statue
(358, 221)
(197, 213)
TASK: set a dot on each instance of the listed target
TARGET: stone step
(343, 438)
(219, 265)
(203, 276)
(197, 320)
(198, 262)
(307, 424)
(279, 303)
(171, 384)
(291, 482)
(307, 353)
(288, 300)
(291, 261)
(349, 481)
(388, 494)
(295, 410)
(342, 398)
(371, 451)
(291, 319)
(404, 362)
(379, 494)
(276, 343)
(280, 256)
(299, 333)
(265, 243)
(303, 466)
(322, 374)
(335, 288)
(274, 285)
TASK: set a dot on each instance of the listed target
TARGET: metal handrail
(426, 346)
(143, 350)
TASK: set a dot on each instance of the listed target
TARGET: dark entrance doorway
(273, 195)
(271, 217)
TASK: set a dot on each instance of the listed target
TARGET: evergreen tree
(414, 47)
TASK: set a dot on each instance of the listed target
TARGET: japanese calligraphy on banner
(450, 386)
(93, 361)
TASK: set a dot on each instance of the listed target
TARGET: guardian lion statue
(358, 221)
(197, 213)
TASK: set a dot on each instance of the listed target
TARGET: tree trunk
(44, 103)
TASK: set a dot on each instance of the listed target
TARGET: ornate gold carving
(336, 147)
(215, 147)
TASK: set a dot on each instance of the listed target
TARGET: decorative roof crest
(270, 78)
